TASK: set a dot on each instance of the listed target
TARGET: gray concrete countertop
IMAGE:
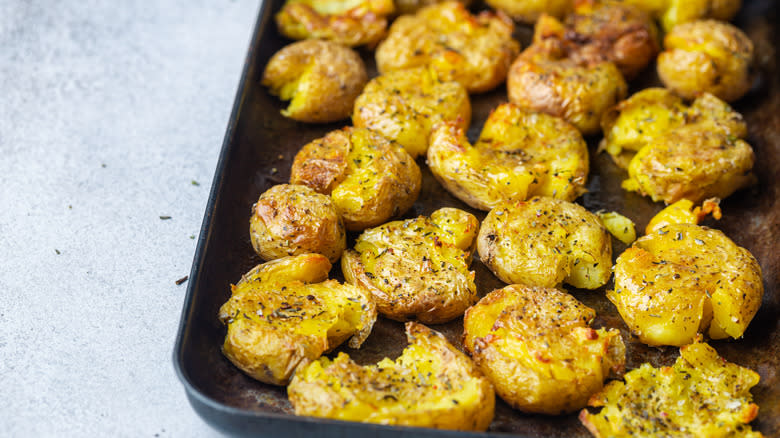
(112, 115)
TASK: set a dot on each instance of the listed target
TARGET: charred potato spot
(417, 268)
(431, 384)
(369, 177)
(352, 22)
(707, 56)
(684, 279)
(294, 219)
(545, 242)
(701, 395)
(321, 79)
(534, 344)
(528, 11)
(285, 312)
(473, 50)
(405, 105)
(518, 155)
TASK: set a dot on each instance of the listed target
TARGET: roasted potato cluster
(475, 51)
(546, 242)
(535, 345)
(684, 279)
(370, 178)
(519, 154)
(294, 219)
(349, 22)
(674, 12)
(700, 396)
(528, 11)
(286, 311)
(707, 56)
(417, 268)
(321, 79)
(673, 151)
(431, 384)
(405, 105)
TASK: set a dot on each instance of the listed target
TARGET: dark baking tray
(257, 153)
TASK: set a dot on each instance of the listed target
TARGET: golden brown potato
(473, 50)
(684, 279)
(351, 22)
(519, 154)
(405, 105)
(294, 219)
(370, 178)
(546, 242)
(411, 6)
(545, 78)
(700, 396)
(674, 12)
(528, 11)
(431, 384)
(535, 346)
(417, 268)
(683, 212)
(285, 311)
(707, 56)
(321, 79)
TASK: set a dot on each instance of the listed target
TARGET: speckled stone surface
(112, 115)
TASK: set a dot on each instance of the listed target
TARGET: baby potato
(674, 12)
(417, 268)
(683, 279)
(535, 346)
(545, 78)
(473, 50)
(321, 79)
(528, 11)
(285, 311)
(701, 395)
(294, 219)
(518, 155)
(369, 177)
(545, 242)
(405, 105)
(707, 56)
(431, 384)
(351, 22)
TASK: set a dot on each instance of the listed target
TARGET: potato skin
(417, 268)
(473, 50)
(352, 23)
(294, 219)
(405, 105)
(519, 154)
(431, 384)
(535, 346)
(707, 56)
(684, 279)
(701, 395)
(545, 242)
(285, 312)
(544, 78)
(370, 178)
(321, 79)
(528, 11)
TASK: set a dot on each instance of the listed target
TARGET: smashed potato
(701, 395)
(321, 79)
(528, 11)
(369, 177)
(518, 155)
(683, 279)
(405, 105)
(707, 56)
(417, 268)
(349, 22)
(544, 242)
(431, 384)
(535, 346)
(411, 6)
(683, 212)
(545, 78)
(294, 219)
(674, 12)
(475, 51)
(285, 311)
